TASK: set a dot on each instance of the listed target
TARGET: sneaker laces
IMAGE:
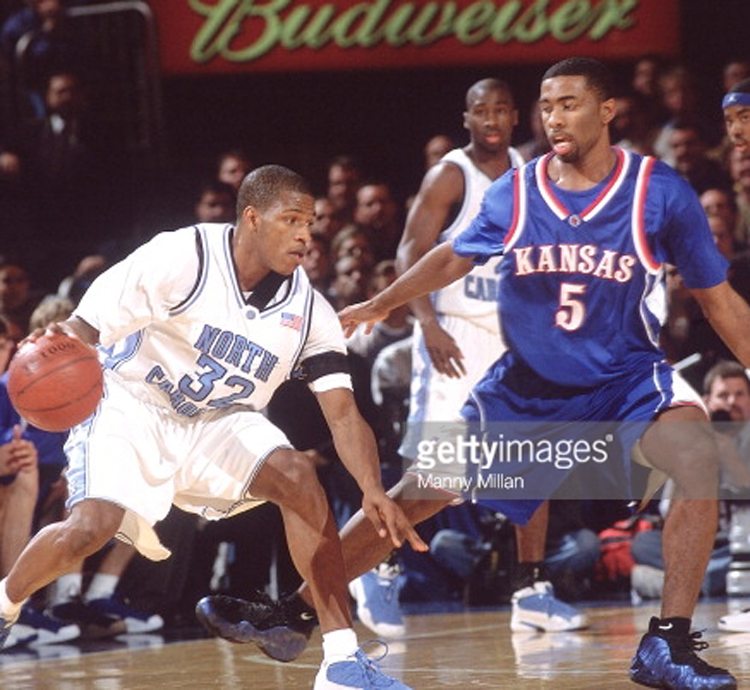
(684, 648)
(369, 664)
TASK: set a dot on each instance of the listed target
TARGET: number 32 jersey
(582, 293)
(182, 335)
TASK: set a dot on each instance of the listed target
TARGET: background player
(198, 346)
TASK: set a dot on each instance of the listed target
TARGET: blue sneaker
(376, 593)
(671, 662)
(38, 629)
(277, 627)
(357, 672)
(135, 621)
(536, 608)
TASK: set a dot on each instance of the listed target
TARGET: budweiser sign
(235, 35)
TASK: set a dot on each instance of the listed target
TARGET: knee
(86, 531)
(288, 478)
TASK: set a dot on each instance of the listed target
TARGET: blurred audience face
(645, 76)
(215, 207)
(64, 95)
(718, 202)
(734, 72)
(687, 149)
(376, 208)
(352, 275)
(317, 260)
(356, 246)
(232, 169)
(343, 182)
(47, 10)
(326, 221)
(722, 233)
(436, 148)
(14, 287)
(677, 92)
(732, 395)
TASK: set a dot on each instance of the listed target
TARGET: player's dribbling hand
(390, 521)
(362, 312)
(445, 354)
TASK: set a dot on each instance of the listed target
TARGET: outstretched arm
(355, 445)
(436, 269)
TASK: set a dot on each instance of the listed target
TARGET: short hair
(51, 309)
(262, 186)
(487, 85)
(597, 74)
(212, 186)
(724, 369)
(741, 87)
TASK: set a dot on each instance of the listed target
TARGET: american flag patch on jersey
(292, 320)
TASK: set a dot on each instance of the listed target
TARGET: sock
(66, 588)
(526, 574)
(102, 587)
(8, 609)
(339, 644)
(671, 626)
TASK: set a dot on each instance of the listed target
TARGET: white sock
(101, 587)
(8, 609)
(339, 644)
(66, 588)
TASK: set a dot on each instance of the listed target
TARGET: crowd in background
(60, 198)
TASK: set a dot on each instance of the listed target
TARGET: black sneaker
(670, 661)
(93, 624)
(279, 628)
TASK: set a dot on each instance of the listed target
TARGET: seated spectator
(376, 214)
(435, 148)
(231, 168)
(631, 128)
(215, 203)
(719, 201)
(317, 264)
(326, 222)
(17, 299)
(354, 242)
(350, 278)
(344, 178)
(688, 156)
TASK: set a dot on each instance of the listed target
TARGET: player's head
(736, 105)
(275, 212)
(490, 115)
(577, 106)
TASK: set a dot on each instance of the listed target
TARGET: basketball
(55, 382)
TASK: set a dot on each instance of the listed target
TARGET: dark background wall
(383, 117)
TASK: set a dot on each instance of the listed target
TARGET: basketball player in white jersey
(202, 325)
(457, 339)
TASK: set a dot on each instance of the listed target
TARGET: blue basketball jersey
(582, 293)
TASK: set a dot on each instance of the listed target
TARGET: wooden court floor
(464, 650)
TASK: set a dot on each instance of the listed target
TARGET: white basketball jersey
(475, 295)
(182, 334)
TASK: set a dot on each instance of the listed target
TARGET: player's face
(575, 119)
(283, 231)
(737, 121)
(490, 119)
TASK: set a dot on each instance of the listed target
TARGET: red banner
(219, 36)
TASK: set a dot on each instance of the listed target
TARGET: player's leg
(289, 479)
(54, 551)
(534, 604)
(680, 444)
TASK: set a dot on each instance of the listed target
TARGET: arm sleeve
(483, 239)
(685, 239)
(143, 287)
(323, 359)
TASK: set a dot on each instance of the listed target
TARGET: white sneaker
(735, 622)
(536, 608)
(376, 593)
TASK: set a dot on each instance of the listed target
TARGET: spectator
(17, 299)
(317, 264)
(326, 222)
(231, 168)
(687, 155)
(344, 178)
(216, 203)
(376, 214)
(435, 148)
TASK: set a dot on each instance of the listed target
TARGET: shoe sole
(642, 676)
(279, 643)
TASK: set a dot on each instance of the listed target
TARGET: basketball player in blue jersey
(585, 232)
(202, 324)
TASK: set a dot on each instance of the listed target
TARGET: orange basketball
(55, 382)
